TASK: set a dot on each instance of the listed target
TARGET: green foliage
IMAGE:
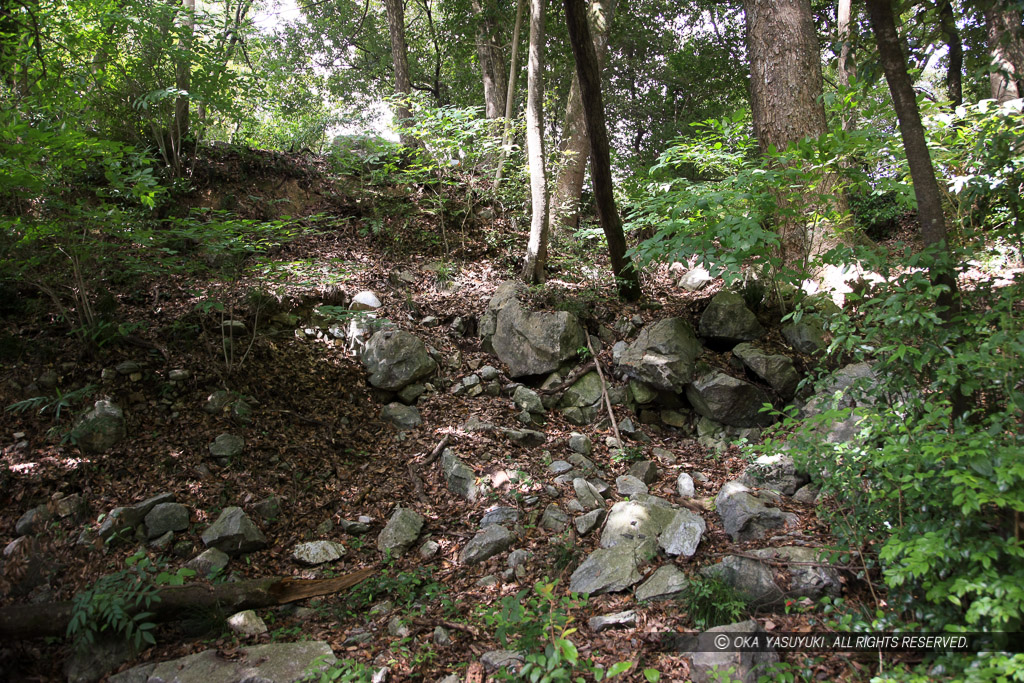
(57, 404)
(407, 590)
(117, 604)
(711, 602)
(341, 671)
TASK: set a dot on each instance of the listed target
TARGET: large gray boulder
(269, 663)
(607, 570)
(662, 355)
(664, 584)
(505, 293)
(806, 336)
(682, 535)
(809, 576)
(396, 359)
(400, 532)
(728, 400)
(751, 579)
(581, 402)
(100, 429)
(166, 517)
(535, 343)
(487, 543)
(777, 472)
(746, 517)
(745, 667)
(234, 533)
(776, 370)
(727, 320)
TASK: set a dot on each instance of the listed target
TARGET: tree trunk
(589, 74)
(951, 34)
(510, 97)
(574, 146)
(535, 266)
(51, 619)
(846, 68)
(785, 101)
(1006, 47)
(492, 62)
(183, 81)
(400, 63)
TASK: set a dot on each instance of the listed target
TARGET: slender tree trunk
(510, 98)
(492, 62)
(574, 146)
(955, 46)
(535, 265)
(1006, 47)
(785, 101)
(400, 63)
(183, 81)
(589, 74)
(846, 68)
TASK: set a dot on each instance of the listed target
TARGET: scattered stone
(365, 301)
(776, 472)
(486, 581)
(396, 359)
(682, 535)
(488, 373)
(628, 485)
(358, 527)
(429, 549)
(809, 576)
(269, 509)
(441, 637)
(663, 355)
(313, 553)
(607, 570)
(583, 462)
(486, 544)
(534, 343)
(664, 455)
(806, 336)
(588, 496)
(728, 320)
(559, 467)
(166, 517)
(751, 579)
(73, 506)
(178, 375)
(527, 399)
(641, 392)
(227, 447)
(32, 568)
(234, 533)
(746, 666)
(460, 478)
(409, 394)
(666, 583)
(637, 523)
(607, 621)
(218, 401)
(581, 403)
(746, 517)
(695, 279)
(527, 438)
(776, 370)
(509, 660)
(34, 521)
(590, 521)
(398, 628)
(102, 428)
(684, 485)
(233, 328)
(644, 470)
(554, 519)
(574, 506)
(209, 562)
(271, 662)
(401, 415)
(581, 443)
(400, 532)
(728, 400)
(807, 494)
(128, 367)
(247, 623)
(500, 515)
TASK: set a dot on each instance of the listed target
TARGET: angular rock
(396, 359)
(666, 583)
(807, 494)
(429, 549)
(218, 401)
(728, 320)
(637, 523)
(554, 519)
(400, 532)
(663, 355)
(628, 485)
(273, 662)
(234, 533)
(486, 544)
(644, 470)
(809, 578)
(588, 496)
(695, 279)
(500, 515)
(590, 521)
(527, 438)
(365, 301)
(751, 579)
(400, 415)
(806, 336)
(641, 393)
(100, 429)
(32, 568)
(776, 370)
(584, 393)
(684, 485)
(33, 521)
(460, 478)
(313, 553)
(682, 535)
(777, 472)
(728, 400)
(495, 660)
(607, 621)
(559, 467)
(527, 399)
(247, 623)
(227, 447)
(607, 570)
(166, 517)
(580, 443)
(746, 517)
(209, 562)
(535, 343)
(747, 667)
(505, 293)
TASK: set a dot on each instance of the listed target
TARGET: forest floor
(316, 439)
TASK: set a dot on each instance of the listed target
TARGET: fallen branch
(604, 394)
(414, 473)
(19, 622)
(571, 379)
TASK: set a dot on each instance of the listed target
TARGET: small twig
(438, 449)
(569, 381)
(604, 393)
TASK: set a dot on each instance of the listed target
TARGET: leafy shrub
(711, 602)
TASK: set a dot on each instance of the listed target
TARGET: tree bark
(51, 619)
(1006, 47)
(183, 81)
(535, 265)
(955, 46)
(574, 146)
(492, 62)
(400, 63)
(588, 72)
(785, 102)
(510, 96)
(846, 69)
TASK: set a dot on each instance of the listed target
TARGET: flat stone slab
(270, 663)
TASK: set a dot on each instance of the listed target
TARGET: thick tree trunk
(51, 619)
(589, 74)
(535, 265)
(510, 97)
(400, 63)
(955, 46)
(492, 62)
(785, 101)
(574, 146)
(1006, 47)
